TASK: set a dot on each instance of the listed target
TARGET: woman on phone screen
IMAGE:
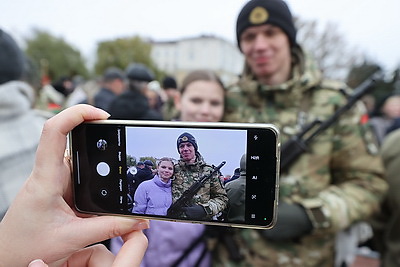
(154, 196)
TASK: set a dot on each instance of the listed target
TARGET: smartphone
(108, 177)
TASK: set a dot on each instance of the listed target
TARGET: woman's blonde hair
(166, 159)
(200, 75)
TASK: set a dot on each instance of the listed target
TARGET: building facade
(179, 57)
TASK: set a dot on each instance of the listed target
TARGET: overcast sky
(371, 26)
(214, 145)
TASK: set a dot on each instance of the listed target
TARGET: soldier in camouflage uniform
(334, 184)
(211, 199)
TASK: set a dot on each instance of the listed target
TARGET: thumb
(37, 263)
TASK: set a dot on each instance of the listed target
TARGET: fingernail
(143, 225)
(37, 263)
(105, 112)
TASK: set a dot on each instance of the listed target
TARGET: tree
(130, 160)
(359, 73)
(123, 51)
(328, 47)
(152, 159)
(54, 56)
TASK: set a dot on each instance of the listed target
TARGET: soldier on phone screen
(211, 199)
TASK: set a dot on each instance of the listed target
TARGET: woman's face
(202, 101)
(165, 170)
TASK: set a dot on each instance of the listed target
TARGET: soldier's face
(187, 152)
(267, 52)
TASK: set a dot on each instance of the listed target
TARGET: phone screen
(216, 173)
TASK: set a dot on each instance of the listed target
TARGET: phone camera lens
(102, 144)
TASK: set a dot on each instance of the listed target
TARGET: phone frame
(184, 125)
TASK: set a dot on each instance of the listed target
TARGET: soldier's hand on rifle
(195, 212)
(292, 222)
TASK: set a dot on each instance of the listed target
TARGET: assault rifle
(299, 143)
(176, 209)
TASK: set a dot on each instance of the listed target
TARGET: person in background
(140, 165)
(20, 124)
(395, 125)
(236, 174)
(154, 196)
(177, 253)
(385, 113)
(142, 174)
(133, 104)
(41, 223)
(53, 96)
(386, 238)
(337, 182)
(236, 190)
(78, 96)
(155, 96)
(170, 89)
(113, 85)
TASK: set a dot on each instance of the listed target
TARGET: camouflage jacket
(386, 225)
(212, 196)
(341, 175)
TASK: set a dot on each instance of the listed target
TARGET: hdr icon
(255, 157)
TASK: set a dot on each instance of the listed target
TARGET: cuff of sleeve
(207, 208)
(315, 212)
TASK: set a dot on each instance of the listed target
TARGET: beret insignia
(258, 15)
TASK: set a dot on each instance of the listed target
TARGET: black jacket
(132, 105)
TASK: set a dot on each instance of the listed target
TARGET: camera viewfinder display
(204, 172)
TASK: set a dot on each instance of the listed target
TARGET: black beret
(259, 12)
(139, 72)
(148, 162)
(186, 137)
(169, 82)
(113, 73)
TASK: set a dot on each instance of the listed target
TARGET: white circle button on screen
(103, 169)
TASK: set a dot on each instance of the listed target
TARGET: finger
(99, 228)
(93, 256)
(132, 252)
(53, 140)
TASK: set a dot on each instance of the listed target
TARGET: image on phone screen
(208, 173)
